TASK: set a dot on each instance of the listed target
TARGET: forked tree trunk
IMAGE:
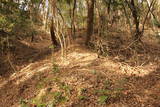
(90, 20)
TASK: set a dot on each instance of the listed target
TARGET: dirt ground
(81, 79)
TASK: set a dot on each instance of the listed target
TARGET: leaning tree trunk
(153, 17)
(90, 20)
(52, 27)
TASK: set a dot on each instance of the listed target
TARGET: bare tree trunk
(73, 19)
(70, 37)
(70, 15)
(109, 6)
(90, 20)
(136, 20)
(46, 18)
(149, 10)
(151, 13)
(53, 35)
(134, 12)
(52, 27)
(127, 17)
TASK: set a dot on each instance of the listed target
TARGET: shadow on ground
(23, 54)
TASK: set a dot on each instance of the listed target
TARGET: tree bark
(90, 21)
(52, 27)
(53, 36)
(73, 19)
(127, 17)
(136, 20)
(134, 12)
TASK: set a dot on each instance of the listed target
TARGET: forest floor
(81, 79)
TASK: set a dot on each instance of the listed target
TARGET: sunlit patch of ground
(81, 79)
(26, 73)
